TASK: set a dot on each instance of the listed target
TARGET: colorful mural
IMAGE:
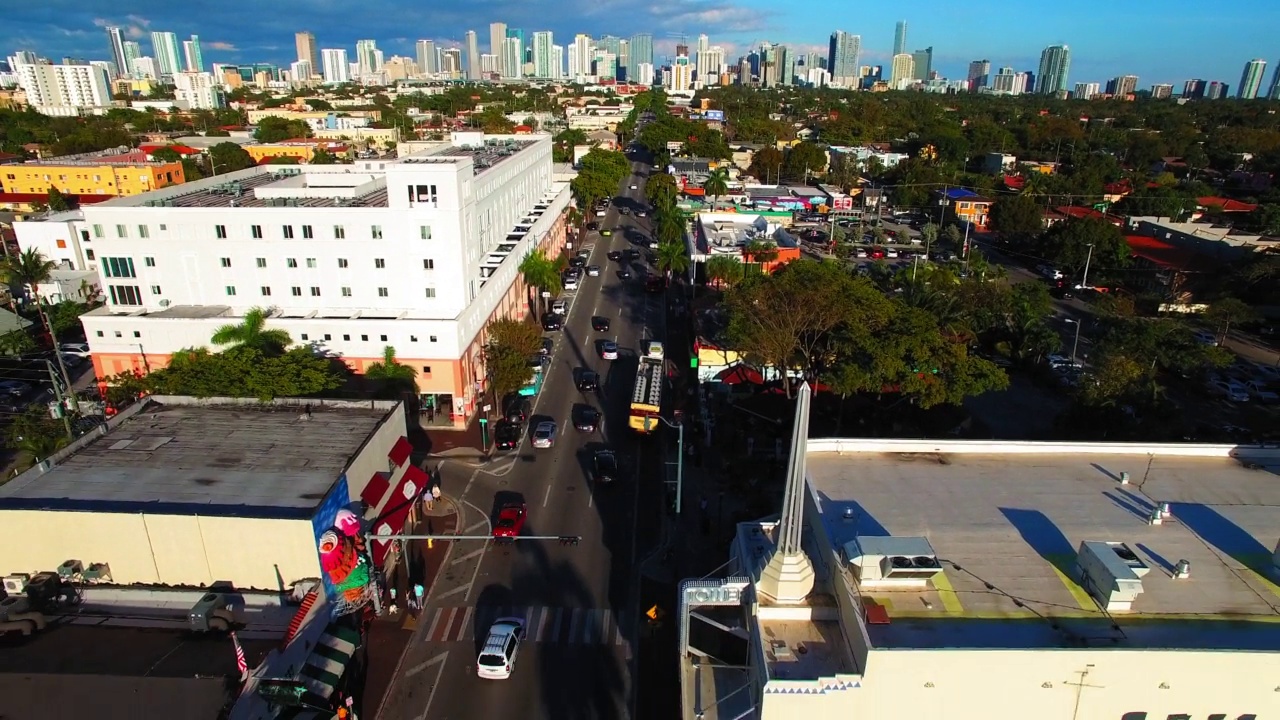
(344, 557)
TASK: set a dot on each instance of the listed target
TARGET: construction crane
(683, 39)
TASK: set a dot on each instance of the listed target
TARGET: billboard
(842, 203)
(714, 115)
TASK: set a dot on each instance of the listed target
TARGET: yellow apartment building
(115, 173)
(303, 149)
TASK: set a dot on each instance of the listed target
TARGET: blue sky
(1166, 42)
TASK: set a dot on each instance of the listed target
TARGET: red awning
(396, 509)
(739, 374)
(400, 451)
(376, 489)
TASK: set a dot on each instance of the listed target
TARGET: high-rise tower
(842, 57)
(308, 50)
(116, 39)
(1251, 79)
(900, 38)
(473, 56)
(1055, 65)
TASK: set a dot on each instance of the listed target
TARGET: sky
(1170, 41)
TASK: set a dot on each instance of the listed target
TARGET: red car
(510, 521)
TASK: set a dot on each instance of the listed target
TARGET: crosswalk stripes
(550, 625)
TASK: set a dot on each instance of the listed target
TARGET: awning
(400, 451)
(376, 489)
(323, 669)
(396, 510)
(740, 374)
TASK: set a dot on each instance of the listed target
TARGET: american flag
(241, 663)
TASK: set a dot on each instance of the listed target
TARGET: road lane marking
(471, 529)
(547, 497)
(434, 686)
(435, 620)
(591, 499)
(426, 664)
(465, 625)
(454, 591)
(573, 624)
(555, 631)
(468, 556)
(542, 624)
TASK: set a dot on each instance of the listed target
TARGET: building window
(413, 338)
(262, 262)
(288, 232)
(431, 292)
(296, 291)
(382, 292)
(119, 334)
(231, 289)
(432, 338)
(122, 231)
(307, 234)
(163, 227)
(380, 263)
(342, 263)
(266, 291)
(97, 231)
(426, 369)
(376, 232)
(428, 264)
(304, 336)
(311, 263)
(383, 338)
(426, 231)
(125, 295)
(149, 261)
(327, 336)
(346, 338)
(339, 232)
(291, 262)
(88, 254)
(137, 333)
(422, 194)
(62, 244)
(99, 333)
(225, 262)
(142, 232)
(315, 291)
(364, 338)
(118, 267)
(155, 289)
(346, 292)
(220, 232)
(256, 231)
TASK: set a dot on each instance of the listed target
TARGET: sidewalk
(389, 635)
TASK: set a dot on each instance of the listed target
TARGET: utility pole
(679, 451)
(63, 411)
(1084, 282)
(57, 354)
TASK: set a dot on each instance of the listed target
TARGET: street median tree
(510, 345)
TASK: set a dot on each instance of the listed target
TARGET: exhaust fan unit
(892, 560)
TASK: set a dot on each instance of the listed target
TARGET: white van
(498, 656)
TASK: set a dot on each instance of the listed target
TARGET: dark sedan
(586, 419)
(552, 321)
(605, 467)
(506, 436)
(600, 324)
(588, 381)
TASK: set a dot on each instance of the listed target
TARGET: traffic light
(569, 539)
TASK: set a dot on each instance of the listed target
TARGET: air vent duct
(1112, 574)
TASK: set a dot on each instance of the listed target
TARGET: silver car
(544, 436)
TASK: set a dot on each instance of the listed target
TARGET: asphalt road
(578, 600)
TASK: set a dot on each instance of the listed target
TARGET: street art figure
(345, 563)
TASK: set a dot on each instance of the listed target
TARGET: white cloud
(219, 45)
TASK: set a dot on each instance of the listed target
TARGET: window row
(258, 233)
(312, 263)
(132, 295)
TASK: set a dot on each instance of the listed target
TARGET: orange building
(111, 174)
(304, 149)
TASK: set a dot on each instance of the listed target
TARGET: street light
(649, 426)
(1084, 282)
(1075, 345)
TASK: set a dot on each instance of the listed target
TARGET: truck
(646, 395)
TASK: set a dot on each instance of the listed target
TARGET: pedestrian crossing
(550, 625)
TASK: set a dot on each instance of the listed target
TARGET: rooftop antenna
(788, 577)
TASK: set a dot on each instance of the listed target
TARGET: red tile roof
(150, 148)
(1120, 187)
(1163, 254)
(133, 156)
(1226, 204)
(1081, 213)
(1014, 182)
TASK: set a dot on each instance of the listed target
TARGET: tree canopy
(506, 354)
(274, 129)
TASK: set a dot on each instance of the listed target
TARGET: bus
(646, 396)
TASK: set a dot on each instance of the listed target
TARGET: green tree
(284, 160)
(393, 378)
(65, 316)
(716, 184)
(274, 129)
(565, 142)
(26, 270)
(166, 154)
(599, 176)
(673, 259)
(17, 342)
(245, 371)
(228, 157)
(323, 157)
(802, 160)
(59, 202)
(318, 104)
(252, 332)
(661, 191)
(723, 271)
(766, 165)
(540, 276)
(1068, 245)
(1018, 218)
(506, 355)
(1229, 311)
(1159, 202)
(36, 434)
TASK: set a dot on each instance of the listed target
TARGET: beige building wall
(372, 457)
(164, 549)
(1041, 684)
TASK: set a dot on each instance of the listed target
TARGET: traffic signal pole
(563, 539)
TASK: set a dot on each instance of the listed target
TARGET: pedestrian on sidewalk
(418, 593)
(391, 608)
(435, 492)
(428, 501)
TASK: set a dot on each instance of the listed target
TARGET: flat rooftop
(1006, 529)
(123, 672)
(242, 460)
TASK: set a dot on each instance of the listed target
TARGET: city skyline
(60, 28)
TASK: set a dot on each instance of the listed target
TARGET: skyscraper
(1251, 79)
(191, 54)
(426, 52)
(1161, 91)
(585, 53)
(115, 39)
(518, 34)
(1194, 88)
(641, 47)
(900, 38)
(167, 51)
(451, 62)
(922, 61)
(336, 68)
(308, 50)
(543, 55)
(902, 71)
(703, 43)
(367, 57)
(1123, 86)
(1055, 65)
(557, 62)
(979, 72)
(132, 51)
(511, 64)
(498, 43)
(473, 56)
(1273, 93)
(842, 57)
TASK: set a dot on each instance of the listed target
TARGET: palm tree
(672, 258)
(717, 184)
(541, 274)
(723, 270)
(760, 254)
(393, 378)
(252, 332)
(24, 271)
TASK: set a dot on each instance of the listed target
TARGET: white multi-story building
(300, 72)
(710, 63)
(644, 74)
(64, 89)
(1086, 90)
(145, 68)
(418, 253)
(199, 90)
(167, 51)
(336, 68)
(681, 75)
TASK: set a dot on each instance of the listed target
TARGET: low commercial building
(418, 253)
(1222, 243)
(738, 235)
(966, 207)
(302, 149)
(115, 173)
(967, 579)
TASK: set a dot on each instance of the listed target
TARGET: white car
(601, 213)
(633, 187)
(498, 655)
(891, 252)
(78, 349)
(544, 436)
(560, 307)
(1057, 361)
(860, 253)
(593, 270)
(641, 213)
(609, 350)
(571, 283)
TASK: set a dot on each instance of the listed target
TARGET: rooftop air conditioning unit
(900, 561)
(1111, 573)
(16, 584)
